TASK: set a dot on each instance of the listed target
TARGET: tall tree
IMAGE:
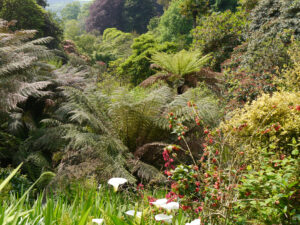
(128, 15)
(71, 11)
(194, 9)
(105, 14)
(137, 14)
(42, 3)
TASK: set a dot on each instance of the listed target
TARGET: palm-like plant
(181, 63)
(22, 71)
(109, 130)
(83, 124)
(182, 69)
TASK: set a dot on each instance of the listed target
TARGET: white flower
(115, 182)
(171, 206)
(160, 202)
(194, 222)
(133, 213)
(164, 217)
(98, 221)
(99, 187)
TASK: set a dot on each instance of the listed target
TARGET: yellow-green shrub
(269, 122)
(290, 76)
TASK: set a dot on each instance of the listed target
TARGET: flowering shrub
(217, 185)
(269, 122)
(205, 187)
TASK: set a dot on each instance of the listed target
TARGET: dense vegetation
(150, 112)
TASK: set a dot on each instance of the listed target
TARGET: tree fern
(181, 63)
(20, 59)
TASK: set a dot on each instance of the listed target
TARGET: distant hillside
(58, 5)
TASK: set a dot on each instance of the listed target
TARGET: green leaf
(13, 173)
(295, 152)
(84, 217)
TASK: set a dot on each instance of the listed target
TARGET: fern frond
(181, 63)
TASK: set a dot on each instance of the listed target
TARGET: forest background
(196, 101)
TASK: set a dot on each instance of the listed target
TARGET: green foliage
(137, 67)
(72, 29)
(21, 58)
(71, 11)
(268, 195)
(223, 5)
(87, 44)
(173, 26)
(30, 15)
(289, 79)
(273, 23)
(248, 4)
(137, 14)
(194, 9)
(180, 64)
(17, 185)
(115, 45)
(269, 122)
(218, 34)
(135, 115)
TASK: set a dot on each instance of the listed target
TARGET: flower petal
(98, 221)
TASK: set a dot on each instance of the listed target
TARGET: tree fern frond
(147, 172)
(180, 63)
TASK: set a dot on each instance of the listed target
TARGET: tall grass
(80, 209)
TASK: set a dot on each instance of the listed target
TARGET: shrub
(269, 195)
(173, 26)
(17, 185)
(272, 24)
(219, 33)
(137, 67)
(290, 76)
(269, 122)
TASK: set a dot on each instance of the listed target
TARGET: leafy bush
(218, 34)
(289, 79)
(268, 195)
(272, 24)
(269, 122)
(17, 185)
(137, 67)
(115, 45)
(173, 26)
(29, 15)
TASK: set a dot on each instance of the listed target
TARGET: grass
(80, 207)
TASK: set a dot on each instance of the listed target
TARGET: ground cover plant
(183, 112)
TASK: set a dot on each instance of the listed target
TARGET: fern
(181, 63)
(21, 65)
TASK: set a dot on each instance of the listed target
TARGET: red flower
(185, 207)
(197, 183)
(298, 107)
(174, 186)
(140, 186)
(168, 173)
